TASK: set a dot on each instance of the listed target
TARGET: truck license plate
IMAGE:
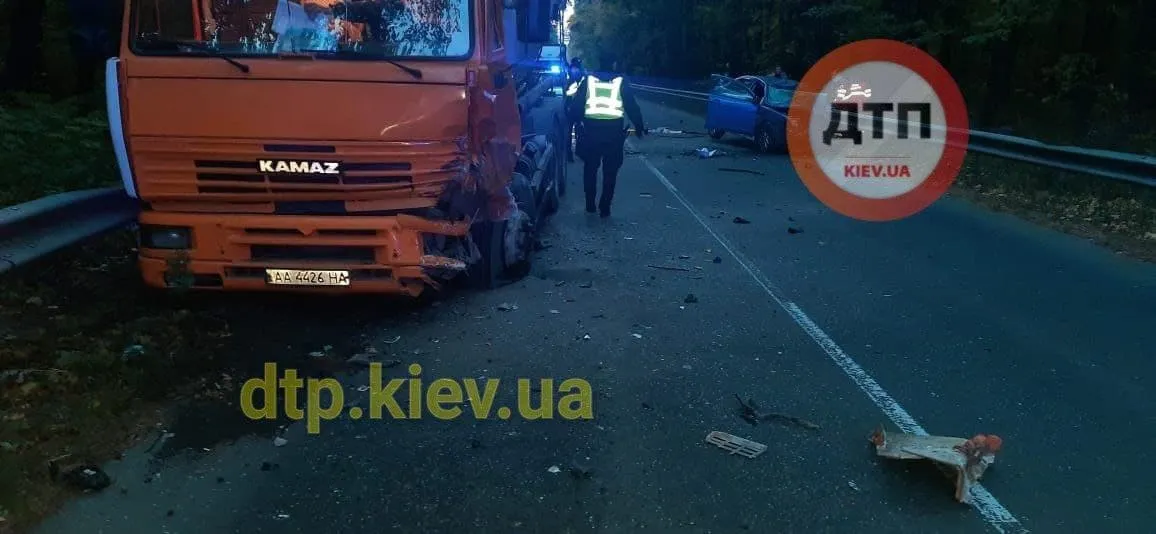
(295, 277)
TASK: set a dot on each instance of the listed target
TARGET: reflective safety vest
(572, 90)
(603, 99)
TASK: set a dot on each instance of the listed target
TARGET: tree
(1081, 70)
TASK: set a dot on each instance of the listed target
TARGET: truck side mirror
(535, 20)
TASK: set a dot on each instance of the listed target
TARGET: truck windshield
(358, 28)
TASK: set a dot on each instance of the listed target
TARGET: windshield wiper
(346, 54)
(169, 44)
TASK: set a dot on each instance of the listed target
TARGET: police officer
(575, 75)
(600, 106)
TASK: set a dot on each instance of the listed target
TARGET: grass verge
(87, 360)
(1119, 215)
(52, 146)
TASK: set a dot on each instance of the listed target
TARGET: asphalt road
(957, 320)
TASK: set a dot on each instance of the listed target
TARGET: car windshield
(779, 97)
(370, 28)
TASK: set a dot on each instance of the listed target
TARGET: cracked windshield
(561, 266)
(433, 28)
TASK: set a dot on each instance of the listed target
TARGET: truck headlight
(555, 69)
(165, 237)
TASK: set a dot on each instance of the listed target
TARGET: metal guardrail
(1122, 166)
(34, 229)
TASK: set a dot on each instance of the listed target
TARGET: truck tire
(525, 240)
(717, 134)
(524, 195)
(560, 153)
(486, 273)
(551, 202)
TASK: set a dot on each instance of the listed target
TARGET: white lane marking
(984, 502)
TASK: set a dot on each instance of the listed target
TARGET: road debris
(587, 336)
(586, 285)
(705, 153)
(735, 445)
(637, 336)
(506, 306)
(717, 259)
(84, 477)
(160, 441)
(690, 298)
(753, 415)
(964, 459)
(580, 472)
(668, 268)
(554, 469)
(394, 340)
(792, 230)
(280, 441)
(362, 359)
(740, 220)
(744, 171)
(554, 312)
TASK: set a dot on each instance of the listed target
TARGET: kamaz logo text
(298, 167)
(876, 109)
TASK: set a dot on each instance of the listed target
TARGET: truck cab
(322, 145)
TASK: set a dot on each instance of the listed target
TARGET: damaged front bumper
(401, 254)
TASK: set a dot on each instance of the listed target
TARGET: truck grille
(227, 176)
(314, 253)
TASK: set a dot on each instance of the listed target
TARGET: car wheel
(765, 140)
(716, 134)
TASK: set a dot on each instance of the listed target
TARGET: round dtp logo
(878, 130)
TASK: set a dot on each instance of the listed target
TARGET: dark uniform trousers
(600, 145)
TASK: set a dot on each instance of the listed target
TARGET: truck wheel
(524, 196)
(523, 239)
(716, 134)
(562, 173)
(486, 273)
(560, 153)
(551, 203)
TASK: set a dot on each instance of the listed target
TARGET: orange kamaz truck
(342, 146)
